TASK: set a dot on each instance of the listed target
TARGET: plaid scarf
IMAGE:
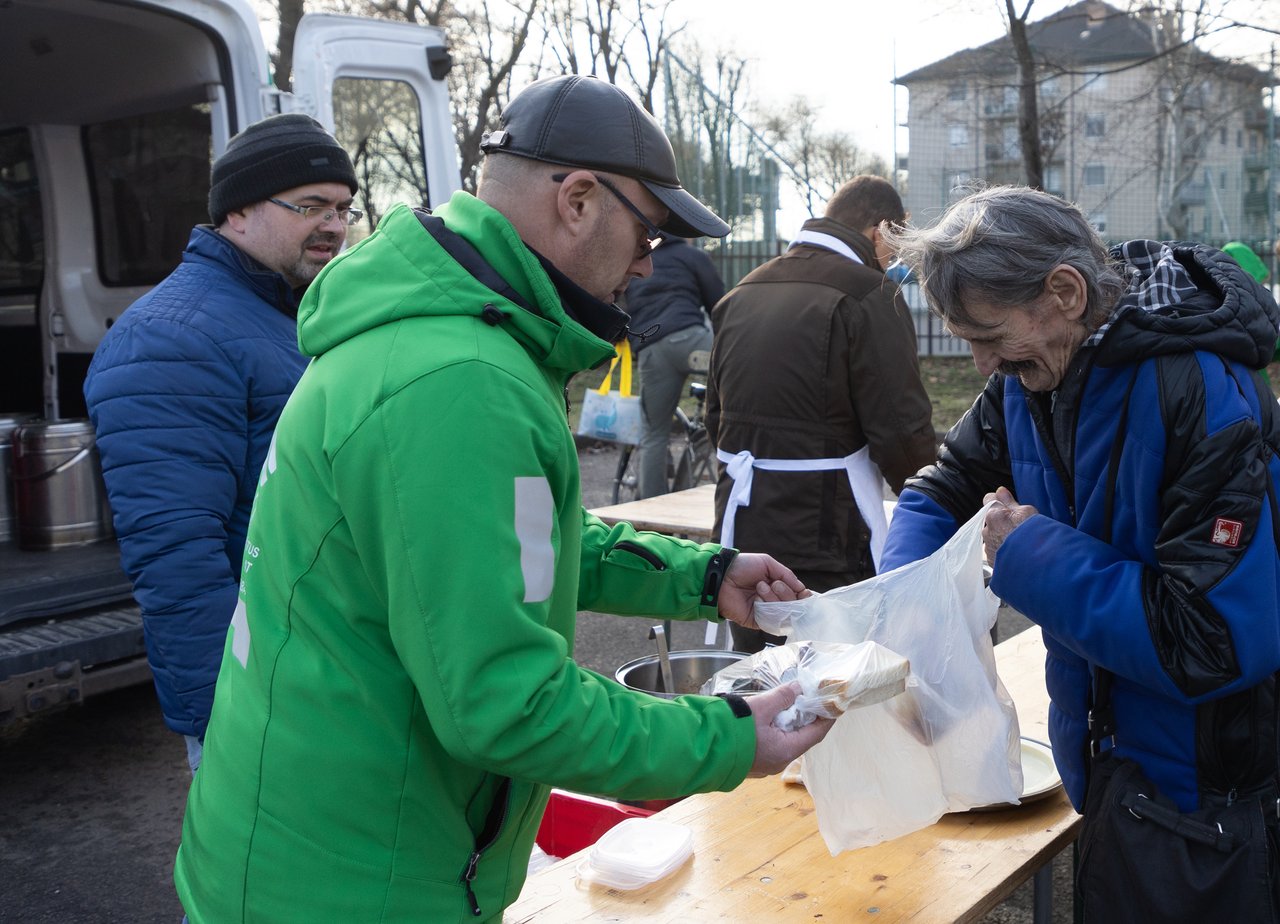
(1156, 281)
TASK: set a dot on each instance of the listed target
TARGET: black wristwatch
(716, 570)
(739, 705)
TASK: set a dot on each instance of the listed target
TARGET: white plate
(1039, 776)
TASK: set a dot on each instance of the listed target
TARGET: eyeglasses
(323, 214)
(653, 233)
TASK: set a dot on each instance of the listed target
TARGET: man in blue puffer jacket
(1130, 445)
(185, 389)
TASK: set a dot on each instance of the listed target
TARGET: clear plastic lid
(636, 852)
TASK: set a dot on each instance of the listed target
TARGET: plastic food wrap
(950, 742)
(834, 677)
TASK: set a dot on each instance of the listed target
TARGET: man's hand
(754, 576)
(1001, 520)
(776, 748)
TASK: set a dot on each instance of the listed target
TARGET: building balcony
(1255, 201)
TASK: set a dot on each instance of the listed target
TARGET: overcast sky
(843, 54)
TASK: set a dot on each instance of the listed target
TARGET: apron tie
(864, 477)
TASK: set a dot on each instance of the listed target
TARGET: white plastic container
(637, 852)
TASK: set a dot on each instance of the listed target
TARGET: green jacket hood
(400, 271)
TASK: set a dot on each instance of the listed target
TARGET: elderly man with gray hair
(1126, 446)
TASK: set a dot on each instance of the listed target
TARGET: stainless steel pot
(59, 497)
(689, 671)
(8, 423)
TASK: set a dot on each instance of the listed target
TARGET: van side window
(21, 221)
(379, 123)
(149, 175)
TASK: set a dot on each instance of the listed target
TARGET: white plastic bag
(950, 742)
(613, 414)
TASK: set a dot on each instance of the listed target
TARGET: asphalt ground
(91, 799)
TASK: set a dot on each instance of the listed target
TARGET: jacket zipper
(493, 825)
(641, 552)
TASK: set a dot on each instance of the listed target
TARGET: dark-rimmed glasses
(321, 213)
(654, 234)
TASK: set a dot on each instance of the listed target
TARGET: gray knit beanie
(268, 157)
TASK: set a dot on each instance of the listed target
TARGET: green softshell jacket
(415, 561)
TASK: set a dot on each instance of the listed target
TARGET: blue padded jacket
(1172, 582)
(184, 393)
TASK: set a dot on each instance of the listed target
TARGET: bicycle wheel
(626, 480)
(694, 465)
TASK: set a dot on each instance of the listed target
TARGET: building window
(1239, 137)
(1095, 125)
(1099, 222)
(958, 91)
(1051, 88)
(1053, 180)
(1012, 145)
(1095, 175)
(1096, 81)
(1222, 179)
(958, 133)
(1222, 136)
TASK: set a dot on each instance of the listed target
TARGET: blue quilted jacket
(1154, 469)
(184, 393)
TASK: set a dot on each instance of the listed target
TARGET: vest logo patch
(1227, 532)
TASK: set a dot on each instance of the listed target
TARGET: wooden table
(758, 855)
(690, 514)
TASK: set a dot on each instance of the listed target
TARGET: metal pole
(1271, 168)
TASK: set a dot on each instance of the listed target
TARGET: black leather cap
(588, 123)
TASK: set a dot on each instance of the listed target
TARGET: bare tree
(606, 38)
(822, 161)
(1028, 115)
(487, 52)
(486, 47)
(290, 12)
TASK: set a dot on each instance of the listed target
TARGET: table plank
(690, 514)
(758, 854)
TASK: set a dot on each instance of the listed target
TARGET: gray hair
(1001, 244)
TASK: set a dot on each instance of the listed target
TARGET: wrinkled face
(1034, 342)
(293, 245)
(617, 250)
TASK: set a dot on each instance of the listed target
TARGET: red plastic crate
(573, 822)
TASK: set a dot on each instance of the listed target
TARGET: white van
(110, 114)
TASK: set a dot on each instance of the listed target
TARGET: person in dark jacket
(185, 389)
(1127, 445)
(669, 324)
(815, 398)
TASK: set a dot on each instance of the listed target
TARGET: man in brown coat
(814, 397)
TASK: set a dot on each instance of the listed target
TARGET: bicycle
(694, 464)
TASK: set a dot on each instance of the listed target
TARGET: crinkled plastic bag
(950, 742)
(834, 677)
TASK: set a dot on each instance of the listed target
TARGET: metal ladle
(664, 658)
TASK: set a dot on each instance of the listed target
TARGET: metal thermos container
(59, 497)
(8, 423)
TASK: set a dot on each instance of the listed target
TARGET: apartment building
(1150, 137)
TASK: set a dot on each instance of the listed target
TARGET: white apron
(865, 479)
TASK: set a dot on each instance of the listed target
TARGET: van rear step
(59, 662)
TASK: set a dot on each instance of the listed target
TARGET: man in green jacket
(397, 694)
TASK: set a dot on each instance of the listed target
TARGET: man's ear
(237, 220)
(1066, 286)
(576, 201)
